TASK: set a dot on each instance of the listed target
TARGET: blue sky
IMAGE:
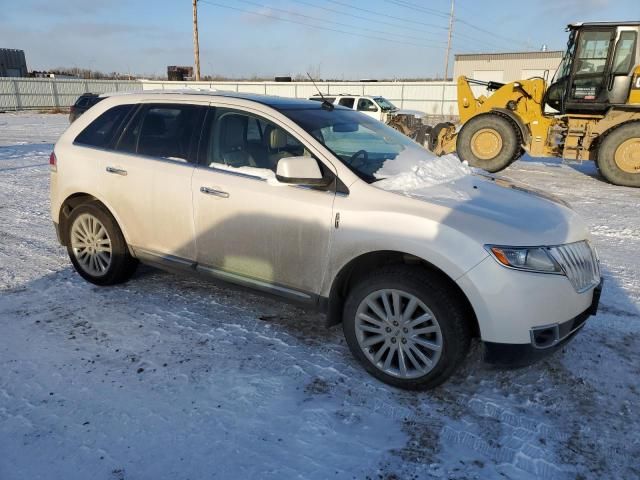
(145, 36)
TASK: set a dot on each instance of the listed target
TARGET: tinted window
(231, 139)
(100, 132)
(346, 102)
(164, 131)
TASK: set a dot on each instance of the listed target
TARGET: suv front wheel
(97, 247)
(405, 328)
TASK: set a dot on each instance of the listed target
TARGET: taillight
(53, 162)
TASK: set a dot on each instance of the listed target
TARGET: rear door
(148, 178)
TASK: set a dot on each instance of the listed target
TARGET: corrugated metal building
(506, 67)
(12, 63)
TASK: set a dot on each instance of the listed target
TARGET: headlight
(531, 259)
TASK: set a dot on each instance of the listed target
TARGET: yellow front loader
(591, 110)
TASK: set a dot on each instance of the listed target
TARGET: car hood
(495, 211)
(403, 111)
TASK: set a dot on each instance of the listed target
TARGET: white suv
(306, 201)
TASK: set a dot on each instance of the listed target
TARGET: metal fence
(46, 93)
(433, 98)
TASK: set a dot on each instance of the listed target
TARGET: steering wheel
(365, 158)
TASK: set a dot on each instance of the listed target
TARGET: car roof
(605, 24)
(279, 103)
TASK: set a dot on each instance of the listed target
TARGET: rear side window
(346, 102)
(165, 131)
(99, 133)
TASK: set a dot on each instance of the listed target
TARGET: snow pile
(397, 176)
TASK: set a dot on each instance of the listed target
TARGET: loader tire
(435, 131)
(619, 155)
(490, 142)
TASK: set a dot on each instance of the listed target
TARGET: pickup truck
(408, 122)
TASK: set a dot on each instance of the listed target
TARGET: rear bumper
(544, 340)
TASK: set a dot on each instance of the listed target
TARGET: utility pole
(446, 60)
(196, 43)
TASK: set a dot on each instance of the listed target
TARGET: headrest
(274, 137)
(233, 131)
(277, 138)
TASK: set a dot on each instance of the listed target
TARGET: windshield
(371, 149)
(385, 104)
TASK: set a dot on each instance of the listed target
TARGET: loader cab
(596, 71)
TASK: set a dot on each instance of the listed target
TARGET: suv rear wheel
(406, 328)
(97, 247)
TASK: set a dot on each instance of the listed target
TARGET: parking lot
(172, 377)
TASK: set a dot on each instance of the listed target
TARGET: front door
(588, 85)
(369, 107)
(250, 228)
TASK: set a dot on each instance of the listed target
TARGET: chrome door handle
(117, 171)
(213, 191)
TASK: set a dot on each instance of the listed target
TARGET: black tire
(505, 154)
(122, 265)
(608, 149)
(446, 308)
(435, 131)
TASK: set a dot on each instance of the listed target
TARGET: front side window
(366, 105)
(240, 140)
(593, 50)
(100, 132)
(164, 131)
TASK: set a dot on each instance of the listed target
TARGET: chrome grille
(579, 263)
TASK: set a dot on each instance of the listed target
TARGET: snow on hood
(409, 171)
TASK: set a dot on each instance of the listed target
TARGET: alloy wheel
(398, 333)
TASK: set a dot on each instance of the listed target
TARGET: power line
(414, 6)
(289, 12)
(360, 17)
(361, 35)
(385, 15)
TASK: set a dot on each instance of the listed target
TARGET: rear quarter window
(100, 132)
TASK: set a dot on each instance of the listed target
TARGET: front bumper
(544, 340)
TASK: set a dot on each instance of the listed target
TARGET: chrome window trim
(185, 163)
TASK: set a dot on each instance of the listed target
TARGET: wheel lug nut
(405, 330)
(393, 340)
(388, 329)
(395, 323)
(404, 340)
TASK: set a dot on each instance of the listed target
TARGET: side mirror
(300, 171)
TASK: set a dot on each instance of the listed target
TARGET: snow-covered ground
(170, 377)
